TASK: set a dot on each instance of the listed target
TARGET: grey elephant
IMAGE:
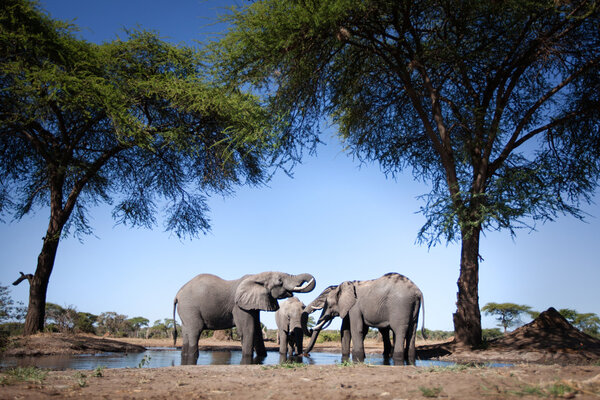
(289, 326)
(391, 302)
(209, 302)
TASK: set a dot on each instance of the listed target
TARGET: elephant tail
(174, 323)
(422, 323)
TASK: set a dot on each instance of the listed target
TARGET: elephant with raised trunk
(209, 302)
(391, 302)
(289, 326)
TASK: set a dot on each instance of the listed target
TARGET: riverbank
(62, 344)
(341, 381)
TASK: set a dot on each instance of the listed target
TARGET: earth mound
(550, 332)
(56, 343)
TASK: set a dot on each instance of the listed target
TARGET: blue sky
(335, 218)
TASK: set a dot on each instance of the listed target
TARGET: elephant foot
(358, 357)
(262, 354)
(399, 360)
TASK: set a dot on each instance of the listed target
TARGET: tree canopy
(136, 123)
(495, 104)
(586, 322)
(8, 310)
(507, 314)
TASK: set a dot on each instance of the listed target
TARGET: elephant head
(335, 301)
(261, 291)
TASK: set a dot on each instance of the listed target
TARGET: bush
(329, 336)
(373, 334)
(488, 334)
(12, 328)
(435, 335)
(207, 333)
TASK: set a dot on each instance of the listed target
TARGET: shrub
(329, 336)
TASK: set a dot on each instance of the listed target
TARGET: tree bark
(36, 312)
(34, 322)
(467, 319)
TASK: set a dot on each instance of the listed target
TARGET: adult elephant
(391, 302)
(209, 302)
(289, 326)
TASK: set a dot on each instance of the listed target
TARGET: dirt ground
(550, 360)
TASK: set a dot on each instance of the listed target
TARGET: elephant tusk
(304, 286)
(321, 324)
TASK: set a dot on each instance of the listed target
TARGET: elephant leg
(283, 341)
(345, 335)
(259, 342)
(399, 344)
(244, 322)
(387, 345)
(357, 329)
(411, 350)
(189, 350)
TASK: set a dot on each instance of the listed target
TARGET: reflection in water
(167, 357)
(220, 358)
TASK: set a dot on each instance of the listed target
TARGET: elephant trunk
(324, 322)
(298, 339)
(304, 323)
(313, 340)
(303, 283)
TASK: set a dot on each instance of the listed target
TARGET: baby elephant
(289, 326)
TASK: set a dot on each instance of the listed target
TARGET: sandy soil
(559, 363)
(313, 382)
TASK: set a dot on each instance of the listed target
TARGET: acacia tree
(135, 123)
(493, 103)
(137, 324)
(507, 314)
(8, 309)
(586, 322)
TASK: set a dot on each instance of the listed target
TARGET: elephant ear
(252, 295)
(346, 298)
(319, 302)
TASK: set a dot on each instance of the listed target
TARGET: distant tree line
(68, 320)
(109, 323)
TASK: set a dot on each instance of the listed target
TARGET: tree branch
(91, 171)
(514, 141)
(29, 277)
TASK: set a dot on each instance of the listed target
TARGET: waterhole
(168, 357)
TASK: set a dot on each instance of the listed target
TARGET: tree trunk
(36, 312)
(467, 319)
(34, 322)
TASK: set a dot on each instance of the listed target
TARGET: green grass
(98, 371)
(81, 378)
(452, 368)
(557, 389)
(23, 374)
(430, 392)
(560, 389)
(145, 361)
(348, 363)
(285, 365)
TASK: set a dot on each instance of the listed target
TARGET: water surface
(168, 357)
